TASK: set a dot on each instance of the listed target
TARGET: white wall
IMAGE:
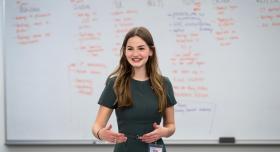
(89, 148)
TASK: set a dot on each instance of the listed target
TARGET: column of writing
(86, 67)
(188, 64)
(87, 37)
(31, 22)
(269, 13)
(225, 22)
(190, 27)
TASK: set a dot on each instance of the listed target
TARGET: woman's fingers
(117, 138)
(155, 125)
(120, 138)
(112, 136)
(150, 140)
(150, 137)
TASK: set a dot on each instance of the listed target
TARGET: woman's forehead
(136, 41)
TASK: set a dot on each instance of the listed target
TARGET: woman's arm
(101, 120)
(104, 133)
(169, 122)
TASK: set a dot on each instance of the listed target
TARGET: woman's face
(137, 52)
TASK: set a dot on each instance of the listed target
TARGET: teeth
(136, 59)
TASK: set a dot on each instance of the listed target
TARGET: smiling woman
(137, 52)
(140, 95)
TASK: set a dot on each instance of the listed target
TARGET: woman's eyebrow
(128, 46)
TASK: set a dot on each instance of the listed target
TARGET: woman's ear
(151, 51)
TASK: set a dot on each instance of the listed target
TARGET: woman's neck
(140, 74)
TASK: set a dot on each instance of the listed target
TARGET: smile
(136, 59)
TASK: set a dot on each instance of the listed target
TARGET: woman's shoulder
(111, 80)
(167, 82)
(169, 91)
(166, 79)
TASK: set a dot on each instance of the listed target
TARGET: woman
(140, 95)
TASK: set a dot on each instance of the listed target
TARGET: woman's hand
(108, 135)
(155, 135)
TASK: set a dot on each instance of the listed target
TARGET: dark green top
(138, 119)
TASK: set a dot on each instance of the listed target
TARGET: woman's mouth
(136, 59)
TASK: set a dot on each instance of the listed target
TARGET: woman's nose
(135, 53)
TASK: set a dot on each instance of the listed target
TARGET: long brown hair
(124, 72)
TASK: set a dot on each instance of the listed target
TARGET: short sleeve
(108, 96)
(171, 101)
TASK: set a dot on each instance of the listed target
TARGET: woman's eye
(141, 48)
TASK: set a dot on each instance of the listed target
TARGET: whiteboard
(222, 57)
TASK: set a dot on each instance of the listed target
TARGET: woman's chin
(137, 66)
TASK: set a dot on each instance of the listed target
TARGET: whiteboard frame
(168, 142)
(266, 142)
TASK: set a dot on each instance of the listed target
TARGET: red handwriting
(188, 75)
(225, 32)
(269, 13)
(89, 39)
(86, 68)
(31, 23)
(84, 86)
(82, 75)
